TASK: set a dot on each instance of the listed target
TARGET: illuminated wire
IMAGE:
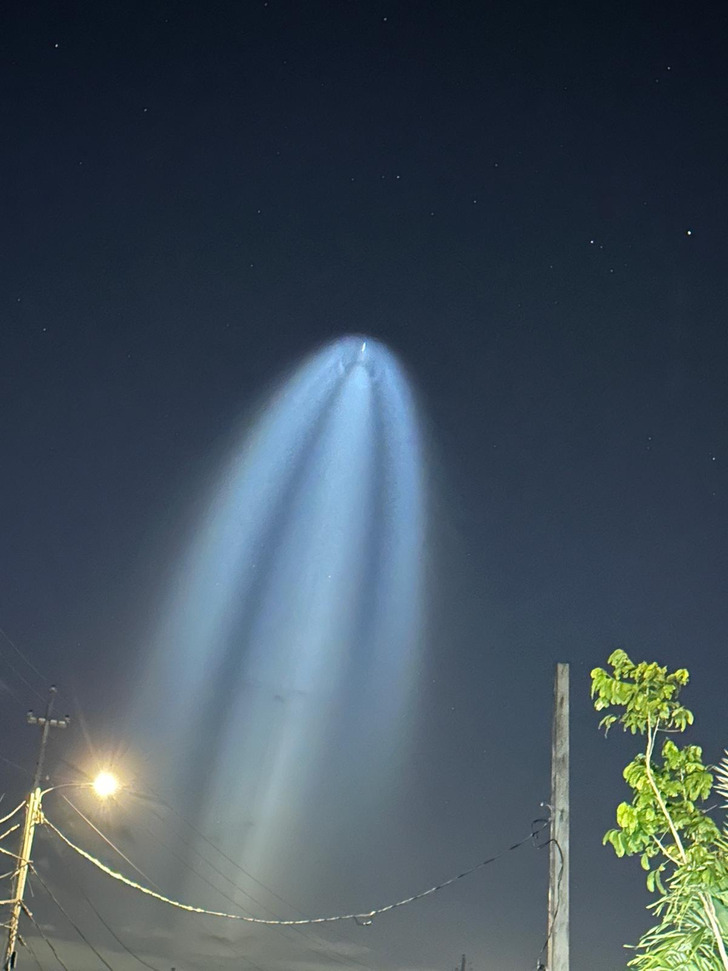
(21, 654)
(125, 946)
(204, 878)
(25, 681)
(40, 930)
(212, 866)
(15, 671)
(108, 841)
(10, 815)
(360, 918)
(316, 947)
(70, 920)
(11, 691)
(229, 859)
(15, 764)
(201, 876)
(248, 961)
(7, 833)
(330, 945)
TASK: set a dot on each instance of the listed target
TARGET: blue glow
(289, 648)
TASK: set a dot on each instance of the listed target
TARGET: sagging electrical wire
(40, 930)
(116, 937)
(212, 866)
(32, 953)
(363, 919)
(315, 947)
(108, 842)
(70, 920)
(114, 934)
(330, 946)
(11, 814)
(347, 959)
(217, 849)
(127, 860)
(7, 833)
(540, 966)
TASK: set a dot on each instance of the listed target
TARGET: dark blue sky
(527, 203)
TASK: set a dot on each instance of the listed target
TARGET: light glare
(105, 784)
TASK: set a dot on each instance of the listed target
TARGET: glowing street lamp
(104, 785)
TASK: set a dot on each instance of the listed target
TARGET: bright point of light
(105, 784)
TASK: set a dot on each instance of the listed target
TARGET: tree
(682, 849)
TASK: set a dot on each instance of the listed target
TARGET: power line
(108, 842)
(362, 919)
(7, 833)
(20, 654)
(110, 929)
(316, 947)
(107, 925)
(13, 693)
(224, 855)
(15, 671)
(540, 966)
(316, 950)
(238, 866)
(70, 920)
(32, 953)
(15, 765)
(11, 814)
(113, 932)
(20, 677)
(212, 866)
(40, 930)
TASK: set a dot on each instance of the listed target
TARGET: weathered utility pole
(32, 817)
(462, 963)
(558, 922)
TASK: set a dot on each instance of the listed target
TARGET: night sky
(527, 204)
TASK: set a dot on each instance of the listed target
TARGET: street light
(104, 785)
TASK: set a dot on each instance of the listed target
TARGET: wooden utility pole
(462, 963)
(32, 818)
(558, 923)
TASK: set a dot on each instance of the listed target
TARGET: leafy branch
(680, 846)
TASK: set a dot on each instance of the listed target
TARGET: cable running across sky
(11, 814)
(364, 918)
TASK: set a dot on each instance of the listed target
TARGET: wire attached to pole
(363, 919)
